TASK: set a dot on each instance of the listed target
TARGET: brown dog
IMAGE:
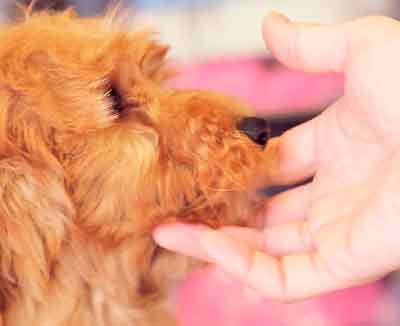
(94, 153)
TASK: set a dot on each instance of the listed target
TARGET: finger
(252, 237)
(322, 48)
(286, 279)
(284, 239)
(288, 233)
(336, 204)
(295, 159)
(288, 206)
(313, 48)
(181, 238)
(288, 239)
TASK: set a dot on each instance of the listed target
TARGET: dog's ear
(34, 208)
(34, 214)
(153, 62)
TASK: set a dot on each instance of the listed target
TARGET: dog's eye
(119, 104)
(116, 99)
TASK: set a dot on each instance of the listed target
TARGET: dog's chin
(230, 209)
(240, 205)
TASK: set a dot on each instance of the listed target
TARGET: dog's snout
(255, 128)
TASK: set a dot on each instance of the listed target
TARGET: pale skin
(343, 229)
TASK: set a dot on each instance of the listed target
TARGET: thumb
(307, 47)
(324, 48)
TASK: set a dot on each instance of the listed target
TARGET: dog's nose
(255, 128)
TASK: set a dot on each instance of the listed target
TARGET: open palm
(342, 228)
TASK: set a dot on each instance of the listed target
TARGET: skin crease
(341, 230)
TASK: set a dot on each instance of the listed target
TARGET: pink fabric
(264, 84)
(209, 299)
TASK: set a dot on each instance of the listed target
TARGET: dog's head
(84, 99)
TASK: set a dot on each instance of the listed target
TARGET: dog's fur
(86, 174)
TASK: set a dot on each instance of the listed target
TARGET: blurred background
(217, 44)
(207, 28)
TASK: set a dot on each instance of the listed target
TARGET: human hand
(342, 228)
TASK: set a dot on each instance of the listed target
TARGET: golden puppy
(94, 153)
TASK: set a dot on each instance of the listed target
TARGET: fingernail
(276, 14)
(226, 252)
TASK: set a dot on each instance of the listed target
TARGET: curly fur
(82, 185)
